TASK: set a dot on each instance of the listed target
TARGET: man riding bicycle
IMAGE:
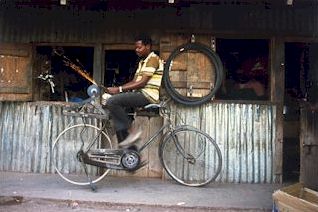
(142, 90)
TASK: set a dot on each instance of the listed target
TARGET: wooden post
(98, 71)
(277, 64)
(309, 127)
(309, 147)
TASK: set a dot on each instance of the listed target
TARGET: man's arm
(147, 72)
(132, 85)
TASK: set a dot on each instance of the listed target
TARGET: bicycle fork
(189, 157)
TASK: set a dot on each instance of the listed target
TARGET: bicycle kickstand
(91, 184)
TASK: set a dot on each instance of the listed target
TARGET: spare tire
(217, 72)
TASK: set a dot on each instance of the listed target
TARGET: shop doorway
(296, 91)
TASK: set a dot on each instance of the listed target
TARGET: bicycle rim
(191, 141)
(65, 149)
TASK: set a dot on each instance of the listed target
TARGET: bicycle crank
(130, 160)
(120, 159)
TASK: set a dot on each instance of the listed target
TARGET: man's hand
(112, 90)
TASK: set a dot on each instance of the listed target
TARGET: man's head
(143, 45)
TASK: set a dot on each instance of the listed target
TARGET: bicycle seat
(152, 106)
(148, 110)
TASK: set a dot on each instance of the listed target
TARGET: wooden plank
(296, 198)
(277, 95)
(8, 49)
(14, 53)
(154, 166)
(125, 46)
(15, 72)
(15, 97)
(194, 85)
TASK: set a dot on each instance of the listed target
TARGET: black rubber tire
(215, 60)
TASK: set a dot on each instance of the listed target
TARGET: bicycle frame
(145, 145)
(164, 111)
(152, 138)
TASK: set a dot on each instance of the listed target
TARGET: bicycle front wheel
(66, 148)
(190, 156)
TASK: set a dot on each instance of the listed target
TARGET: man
(142, 90)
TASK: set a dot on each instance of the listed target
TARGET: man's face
(141, 49)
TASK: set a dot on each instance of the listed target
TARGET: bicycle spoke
(69, 146)
(191, 157)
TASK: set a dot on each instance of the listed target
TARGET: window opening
(68, 84)
(120, 67)
(245, 64)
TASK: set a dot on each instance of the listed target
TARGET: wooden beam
(277, 64)
(98, 70)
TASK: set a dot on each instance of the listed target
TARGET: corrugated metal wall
(270, 21)
(245, 134)
(72, 25)
(27, 131)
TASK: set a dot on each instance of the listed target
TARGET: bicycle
(189, 156)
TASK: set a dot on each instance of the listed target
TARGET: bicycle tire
(218, 67)
(65, 148)
(196, 143)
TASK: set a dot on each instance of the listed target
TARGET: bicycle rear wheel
(190, 156)
(65, 153)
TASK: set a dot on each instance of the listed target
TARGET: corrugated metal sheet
(66, 26)
(27, 131)
(245, 134)
(72, 25)
(270, 21)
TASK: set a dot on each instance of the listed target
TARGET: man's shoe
(131, 138)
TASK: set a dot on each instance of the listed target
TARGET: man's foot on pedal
(131, 139)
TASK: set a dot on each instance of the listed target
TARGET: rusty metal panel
(245, 134)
